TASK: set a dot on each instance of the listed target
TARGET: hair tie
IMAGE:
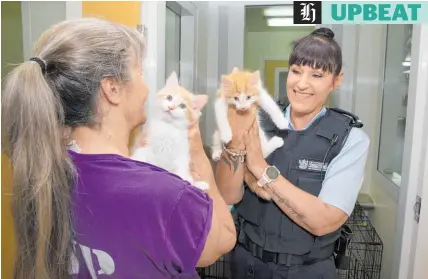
(40, 62)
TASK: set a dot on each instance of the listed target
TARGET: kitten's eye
(169, 97)
(236, 98)
(248, 97)
(182, 106)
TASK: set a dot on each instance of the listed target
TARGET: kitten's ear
(226, 83)
(172, 80)
(255, 78)
(199, 101)
(235, 69)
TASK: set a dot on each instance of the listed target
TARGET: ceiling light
(278, 11)
(284, 21)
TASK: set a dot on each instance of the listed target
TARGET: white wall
(215, 54)
(275, 46)
(363, 49)
(37, 16)
(413, 168)
(202, 55)
(35, 20)
(367, 79)
(172, 44)
(73, 9)
(396, 87)
(393, 213)
(153, 18)
(234, 15)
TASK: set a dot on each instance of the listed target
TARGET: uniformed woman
(294, 203)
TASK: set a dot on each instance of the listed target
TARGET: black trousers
(244, 265)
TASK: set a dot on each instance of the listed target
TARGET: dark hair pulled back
(318, 50)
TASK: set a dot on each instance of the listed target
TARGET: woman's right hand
(222, 235)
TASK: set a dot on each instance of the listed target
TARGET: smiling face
(315, 70)
(176, 105)
(308, 88)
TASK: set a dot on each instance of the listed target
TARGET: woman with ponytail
(86, 210)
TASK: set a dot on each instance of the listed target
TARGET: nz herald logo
(304, 164)
(307, 12)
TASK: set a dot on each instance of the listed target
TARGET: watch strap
(263, 180)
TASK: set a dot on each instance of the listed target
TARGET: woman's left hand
(255, 161)
(200, 165)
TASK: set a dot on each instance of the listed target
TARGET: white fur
(224, 133)
(220, 108)
(167, 140)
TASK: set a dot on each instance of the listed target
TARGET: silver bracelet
(234, 156)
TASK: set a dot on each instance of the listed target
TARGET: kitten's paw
(202, 185)
(276, 142)
(216, 154)
(282, 123)
(226, 136)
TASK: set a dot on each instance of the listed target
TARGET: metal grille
(365, 261)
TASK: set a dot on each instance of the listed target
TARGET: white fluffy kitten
(167, 143)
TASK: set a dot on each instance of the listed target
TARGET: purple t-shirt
(134, 220)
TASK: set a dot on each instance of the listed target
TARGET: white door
(170, 29)
(411, 251)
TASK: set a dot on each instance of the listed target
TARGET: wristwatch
(269, 175)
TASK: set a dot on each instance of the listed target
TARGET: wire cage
(365, 253)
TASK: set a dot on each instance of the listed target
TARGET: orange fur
(191, 115)
(192, 110)
(243, 81)
(240, 81)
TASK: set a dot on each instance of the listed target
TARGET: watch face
(272, 173)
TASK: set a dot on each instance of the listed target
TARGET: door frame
(153, 14)
(420, 244)
(409, 252)
(278, 71)
(153, 18)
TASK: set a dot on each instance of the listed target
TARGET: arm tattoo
(233, 164)
(285, 202)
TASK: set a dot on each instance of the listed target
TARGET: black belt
(284, 258)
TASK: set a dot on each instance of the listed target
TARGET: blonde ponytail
(58, 88)
(42, 173)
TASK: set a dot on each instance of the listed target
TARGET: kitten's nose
(171, 107)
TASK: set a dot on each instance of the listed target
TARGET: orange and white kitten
(244, 91)
(167, 142)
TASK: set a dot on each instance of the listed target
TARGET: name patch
(304, 164)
